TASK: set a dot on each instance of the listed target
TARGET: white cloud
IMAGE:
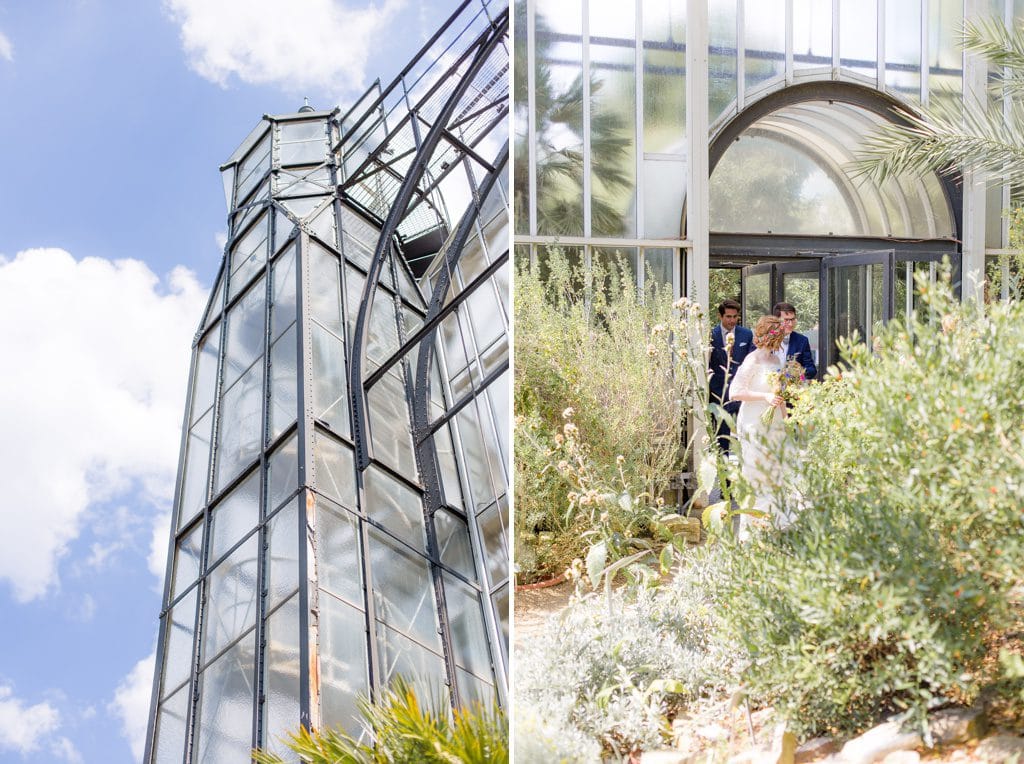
(23, 728)
(96, 354)
(6, 49)
(131, 703)
(157, 559)
(297, 45)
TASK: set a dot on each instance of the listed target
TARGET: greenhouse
(342, 492)
(711, 145)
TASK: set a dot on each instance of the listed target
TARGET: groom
(794, 344)
(730, 344)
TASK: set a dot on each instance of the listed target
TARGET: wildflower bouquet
(787, 383)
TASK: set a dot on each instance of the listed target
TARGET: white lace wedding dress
(763, 448)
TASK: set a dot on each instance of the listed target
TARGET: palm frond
(1003, 48)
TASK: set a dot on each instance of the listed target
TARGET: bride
(762, 445)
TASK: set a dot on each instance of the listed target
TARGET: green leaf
(597, 556)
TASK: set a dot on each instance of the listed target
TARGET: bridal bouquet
(786, 383)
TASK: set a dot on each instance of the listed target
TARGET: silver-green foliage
(881, 596)
(608, 669)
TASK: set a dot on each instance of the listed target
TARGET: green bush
(911, 478)
(619, 368)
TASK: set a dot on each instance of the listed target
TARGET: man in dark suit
(794, 345)
(730, 344)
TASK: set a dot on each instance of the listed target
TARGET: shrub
(610, 668)
(882, 594)
(625, 365)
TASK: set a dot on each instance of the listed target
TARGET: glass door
(757, 293)
(799, 284)
(859, 297)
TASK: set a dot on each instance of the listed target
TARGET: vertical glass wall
(309, 563)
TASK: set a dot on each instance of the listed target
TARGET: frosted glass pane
(282, 312)
(303, 131)
(497, 394)
(355, 251)
(302, 153)
(493, 530)
(664, 76)
(359, 229)
(281, 677)
(466, 625)
(394, 506)
(472, 689)
(231, 599)
(335, 469)
(283, 227)
(302, 208)
(500, 602)
(454, 344)
(485, 314)
(283, 383)
(382, 329)
(249, 255)
(197, 469)
(322, 226)
(187, 561)
(235, 516)
(226, 707)
(325, 288)
(764, 36)
(204, 387)
(330, 388)
(479, 457)
(403, 657)
(252, 168)
(338, 552)
(169, 744)
(858, 36)
(245, 333)
(664, 190)
(342, 664)
(282, 473)
(389, 425)
(812, 33)
(903, 48)
(721, 56)
(403, 590)
(284, 554)
(408, 287)
(453, 543)
(178, 649)
(241, 425)
(449, 472)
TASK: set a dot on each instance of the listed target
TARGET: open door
(794, 281)
(858, 295)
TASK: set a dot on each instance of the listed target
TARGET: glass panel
(620, 261)
(473, 690)
(253, 167)
(231, 599)
(812, 33)
(322, 226)
(801, 289)
(721, 57)
(330, 388)
(334, 469)
(446, 462)
(197, 469)
(354, 284)
(402, 590)
(338, 556)
(480, 458)
(520, 104)
(856, 301)
(303, 181)
(303, 208)
(485, 314)
(245, 333)
(946, 17)
(283, 530)
(281, 677)
(664, 191)
(302, 153)
(497, 395)
(877, 302)
(169, 744)
(312, 130)
(325, 288)
(283, 227)
(204, 387)
(381, 330)
(241, 425)
(235, 516)
(342, 663)
(559, 121)
(903, 48)
(252, 207)
(282, 312)
(188, 560)
(664, 77)
(217, 300)
(500, 601)
(453, 543)
(658, 267)
(389, 425)
(493, 529)
(756, 297)
(249, 255)
(858, 36)
(359, 235)
(394, 506)
(282, 473)
(613, 118)
(283, 384)
(403, 657)
(764, 34)
(225, 714)
(454, 343)
(180, 631)
(466, 623)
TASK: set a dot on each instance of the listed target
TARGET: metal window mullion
(789, 43)
(835, 39)
(741, 56)
(587, 157)
(531, 116)
(638, 66)
(880, 43)
(925, 65)
(473, 394)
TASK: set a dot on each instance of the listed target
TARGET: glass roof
(789, 173)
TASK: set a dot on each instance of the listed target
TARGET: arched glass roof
(789, 173)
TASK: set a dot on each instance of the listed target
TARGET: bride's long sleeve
(741, 387)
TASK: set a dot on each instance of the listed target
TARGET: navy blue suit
(800, 349)
(722, 369)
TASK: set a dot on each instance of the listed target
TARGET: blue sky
(114, 117)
